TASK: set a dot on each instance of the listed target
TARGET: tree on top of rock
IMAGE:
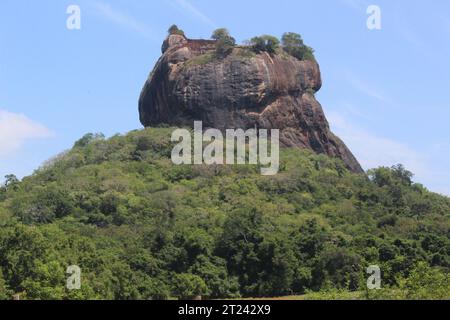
(266, 43)
(225, 42)
(293, 44)
(175, 30)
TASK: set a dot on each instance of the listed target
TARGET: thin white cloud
(367, 88)
(123, 19)
(187, 7)
(373, 151)
(16, 129)
(353, 110)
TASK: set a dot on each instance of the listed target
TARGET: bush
(225, 42)
(265, 43)
(175, 30)
(423, 283)
(188, 286)
(4, 292)
(89, 138)
(143, 228)
(220, 33)
(293, 45)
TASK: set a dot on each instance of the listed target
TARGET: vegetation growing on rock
(175, 30)
(293, 44)
(265, 43)
(225, 85)
(225, 42)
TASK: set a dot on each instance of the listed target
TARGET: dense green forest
(140, 227)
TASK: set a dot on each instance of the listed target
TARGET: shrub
(4, 292)
(220, 33)
(225, 42)
(293, 45)
(265, 43)
(423, 283)
(89, 138)
(188, 286)
(175, 30)
(225, 231)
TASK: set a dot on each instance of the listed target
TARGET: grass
(201, 59)
(209, 57)
(331, 295)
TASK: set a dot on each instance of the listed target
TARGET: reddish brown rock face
(243, 90)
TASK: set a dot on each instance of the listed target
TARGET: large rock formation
(242, 90)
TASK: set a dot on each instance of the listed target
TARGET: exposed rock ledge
(243, 90)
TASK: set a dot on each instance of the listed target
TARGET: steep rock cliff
(242, 90)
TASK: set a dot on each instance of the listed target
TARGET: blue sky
(386, 92)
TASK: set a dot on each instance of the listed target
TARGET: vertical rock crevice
(242, 90)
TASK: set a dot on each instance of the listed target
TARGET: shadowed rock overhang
(242, 90)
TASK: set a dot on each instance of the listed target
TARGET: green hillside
(140, 227)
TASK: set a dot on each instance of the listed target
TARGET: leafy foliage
(140, 227)
(175, 30)
(265, 43)
(293, 44)
(225, 42)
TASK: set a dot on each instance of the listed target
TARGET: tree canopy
(293, 44)
(140, 227)
(266, 43)
(225, 42)
(175, 30)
